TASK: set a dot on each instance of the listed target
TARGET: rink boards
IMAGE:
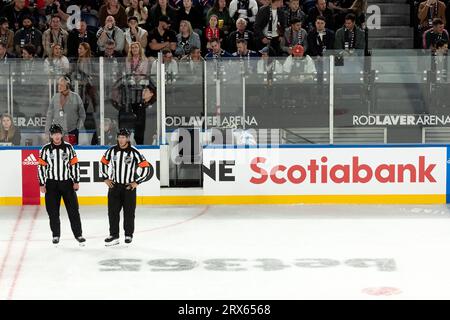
(257, 175)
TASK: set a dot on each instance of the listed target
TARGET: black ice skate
(55, 240)
(81, 241)
(111, 241)
(128, 239)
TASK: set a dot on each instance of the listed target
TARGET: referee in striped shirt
(59, 175)
(123, 168)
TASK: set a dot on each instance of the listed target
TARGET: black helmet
(123, 132)
(54, 128)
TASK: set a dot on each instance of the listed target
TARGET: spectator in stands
(4, 55)
(321, 10)
(114, 9)
(186, 39)
(428, 11)
(213, 31)
(110, 50)
(320, 38)
(55, 7)
(269, 67)
(83, 73)
(192, 63)
(270, 26)
(136, 65)
(294, 35)
(160, 9)
(134, 33)
(110, 32)
(170, 65)
(349, 36)
(297, 64)
(340, 10)
(441, 48)
(110, 132)
(193, 14)
(216, 52)
(28, 34)
(28, 53)
(29, 71)
(138, 10)
(241, 32)
(66, 108)
(55, 34)
(294, 11)
(162, 37)
(56, 63)
(244, 9)
(15, 12)
(9, 133)
(6, 36)
(79, 35)
(359, 9)
(243, 51)
(435, 34)
(224, 21)
(146, 124)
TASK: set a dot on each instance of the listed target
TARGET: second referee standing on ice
(123, 168)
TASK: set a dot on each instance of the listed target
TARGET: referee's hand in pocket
(109, 183)
(131, 186)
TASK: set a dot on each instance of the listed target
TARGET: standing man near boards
(59, 176)
(123, 169)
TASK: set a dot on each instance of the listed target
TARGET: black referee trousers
(64, 189)
(119, 197)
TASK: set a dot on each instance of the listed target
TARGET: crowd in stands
(185, 31)
(178, 26)
(430, 19)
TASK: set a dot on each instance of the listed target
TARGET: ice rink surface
(232, 252)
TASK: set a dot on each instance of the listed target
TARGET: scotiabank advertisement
(325, 171)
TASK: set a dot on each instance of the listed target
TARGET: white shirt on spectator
(262, 66)
(309, 65)
(274, 25)
(141, 32)
(253, 5)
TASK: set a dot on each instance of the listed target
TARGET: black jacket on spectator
(235, 35)
(74, 41)
(27, 36)
(314, 13)
(316, 44)
(15, 17)
(262, 19)
(169, 36)
(155, 13)
(195, 17)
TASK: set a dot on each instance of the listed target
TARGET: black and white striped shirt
(123, 165)
(58, 162)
